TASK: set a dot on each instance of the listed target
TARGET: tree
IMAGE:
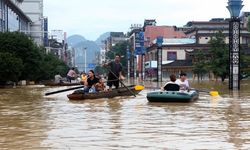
(119, 48)
(200, 65)
(51, 65)
(219, 62)
(248, 23)
(25, 60)
(19, 45)
(10, 68)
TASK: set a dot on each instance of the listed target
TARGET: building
(135, 50)
(174, 57)
(198, 34)
(114, 38)
(34, 10)
(12, 18)
(24, 16)
(152, 32)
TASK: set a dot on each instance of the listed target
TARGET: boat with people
(173, 96)
(121, 91)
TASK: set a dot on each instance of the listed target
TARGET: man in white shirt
(183, 82)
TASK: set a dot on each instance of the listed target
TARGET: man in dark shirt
(115, 72)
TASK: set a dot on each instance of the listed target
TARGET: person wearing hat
(183, 82)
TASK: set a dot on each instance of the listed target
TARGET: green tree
(119, 48)
(10, 68)
(21, 46)
(219, 62)
(248, 23)
(34, 64)
(200, 65)
(51, 65)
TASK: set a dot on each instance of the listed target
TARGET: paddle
(122, 83)
(64, 90)
(212, 93)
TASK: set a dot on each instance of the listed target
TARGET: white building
(34, 10)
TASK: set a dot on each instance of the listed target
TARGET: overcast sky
(91, 18)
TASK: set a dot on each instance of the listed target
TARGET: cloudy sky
(91, 18)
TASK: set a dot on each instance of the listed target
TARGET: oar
(212, 93)
(64, 90)
(122, 83)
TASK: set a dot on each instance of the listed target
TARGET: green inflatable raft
(173, 96)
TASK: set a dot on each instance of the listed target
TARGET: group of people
(94, 84)
(177, 84)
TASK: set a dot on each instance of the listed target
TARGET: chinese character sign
(139, 43)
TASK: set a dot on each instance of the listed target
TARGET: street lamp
(234, 7)
(128, 61)
(85, 59)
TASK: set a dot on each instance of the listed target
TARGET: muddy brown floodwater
(30, 120)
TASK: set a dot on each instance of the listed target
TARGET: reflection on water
(30, 120)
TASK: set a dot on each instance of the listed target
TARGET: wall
(34, 10)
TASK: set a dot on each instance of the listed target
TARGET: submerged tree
(219, 62)
(10, 68)
(200, 65)
(22, 59)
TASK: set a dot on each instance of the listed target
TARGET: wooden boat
(173, 96)
(121, 91)
(61, 84)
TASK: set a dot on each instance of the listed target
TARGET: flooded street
(30, 120)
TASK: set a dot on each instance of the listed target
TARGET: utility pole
(85, 59)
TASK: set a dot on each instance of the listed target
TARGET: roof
(152, 32)
(180, 63)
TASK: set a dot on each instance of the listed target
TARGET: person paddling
(114, 72)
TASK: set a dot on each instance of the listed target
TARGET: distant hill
(78, 42)
(102, 38)
(75, 39)
(92, 50)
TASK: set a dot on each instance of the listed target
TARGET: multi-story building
(24, 16)
(199, 33)
(114, 38)
(34, 10)
(12, 18)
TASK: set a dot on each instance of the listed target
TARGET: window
(171, 56)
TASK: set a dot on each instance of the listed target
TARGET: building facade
(178, 56)
(114, 38)
(34, 10)
(12, 18)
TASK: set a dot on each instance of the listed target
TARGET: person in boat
(171, 85)
(89, 86)
(115, 72)
(183, 82)
(58, 78)
(84, 78)
(99, 86)
(71, 75)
